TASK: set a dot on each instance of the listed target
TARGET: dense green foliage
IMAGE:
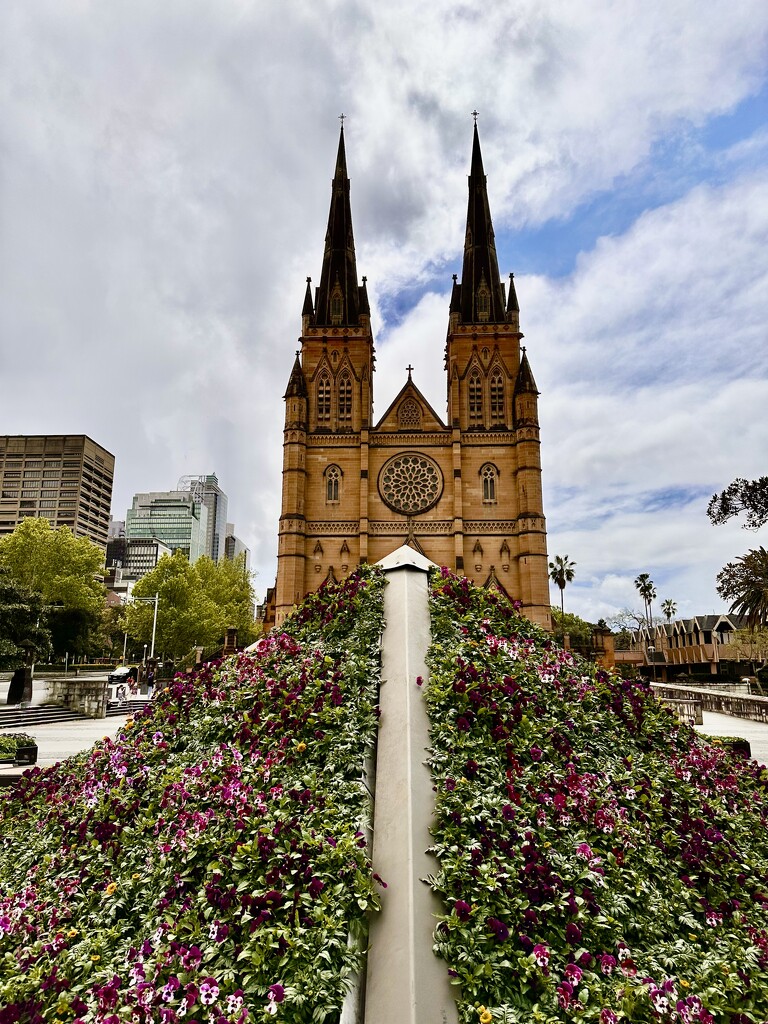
(745, 583)
(598, 861)
(210, 863)
(22, 638)
(197, 604)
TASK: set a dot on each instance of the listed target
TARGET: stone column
(406, 983)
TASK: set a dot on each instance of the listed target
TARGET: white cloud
(166, 173)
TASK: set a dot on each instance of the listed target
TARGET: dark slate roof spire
(337, 301)
(297, 384)
(482, 296)
(525, 381)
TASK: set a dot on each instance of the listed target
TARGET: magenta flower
(572, 933)
(463, 910)
(564, 994)
(607, 963)
(499, 929)
(573, 973)
(541, 955)
(536, 753)
(209, 991)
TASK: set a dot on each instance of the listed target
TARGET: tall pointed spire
(482, 296)
(337, 301)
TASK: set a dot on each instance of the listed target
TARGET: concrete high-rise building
(65, 478)
(205, 489)
(175, 518)
(465, 490)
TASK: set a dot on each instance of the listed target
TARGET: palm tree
(647, 591)
(561, 572)
(745, 581)
(669, 608)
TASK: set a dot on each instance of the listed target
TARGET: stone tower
(465, 492)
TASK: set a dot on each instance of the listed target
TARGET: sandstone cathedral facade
(465, 492)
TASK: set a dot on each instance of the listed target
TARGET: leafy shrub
(598, 861)
(210, 863)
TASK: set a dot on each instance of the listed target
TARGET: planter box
(26, 754)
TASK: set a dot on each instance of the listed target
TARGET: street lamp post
(651, 653)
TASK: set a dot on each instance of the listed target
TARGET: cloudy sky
(164, 188)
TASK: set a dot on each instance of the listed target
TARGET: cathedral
(465, 491)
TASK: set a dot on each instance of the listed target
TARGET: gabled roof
(430, 419)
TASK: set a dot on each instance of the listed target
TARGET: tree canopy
(196, 604)
(741, 496)
(22, 637)
(60, 567)
(744, 582)
(561, 572)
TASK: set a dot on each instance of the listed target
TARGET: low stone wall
(724, 703)
(85, 696)
(689, 712)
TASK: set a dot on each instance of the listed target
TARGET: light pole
(155, 601)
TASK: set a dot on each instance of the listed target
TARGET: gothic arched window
(345, 398)
(497, 397)
(324, 398)
(490, 477)
(332, 483)
(409, 414)
(475, 399)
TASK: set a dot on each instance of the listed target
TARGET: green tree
(22, 637)
(750, 496)
(745, 583)
(196, 604)
(647, 591)
(579, 630)
(62, 568)
(669, 607)
(561, 572)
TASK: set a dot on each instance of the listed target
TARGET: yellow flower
(485, 1015)
(112, 887)
(301, 747)
(135, 875)
(72, 933)
(95, 959)
(684, 984)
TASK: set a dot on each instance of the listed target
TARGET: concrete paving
(58, 741)
(727, 725)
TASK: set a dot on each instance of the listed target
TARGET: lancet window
(345, 398)
(475, 399)
(332, 484)
(497, 397)
(324, 399)
(490, 477)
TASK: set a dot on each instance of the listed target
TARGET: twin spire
(479, 298)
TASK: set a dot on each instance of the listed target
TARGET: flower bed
(207, 865)
(598, 862)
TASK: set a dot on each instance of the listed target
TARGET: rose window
(410, 483)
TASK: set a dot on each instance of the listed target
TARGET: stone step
(23, 719)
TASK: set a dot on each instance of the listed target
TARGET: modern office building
(233, 546)
(205, 490)
(135, 558)
(65, 478)
(175, 518)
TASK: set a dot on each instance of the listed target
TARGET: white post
(154, 627)
(406, 983)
